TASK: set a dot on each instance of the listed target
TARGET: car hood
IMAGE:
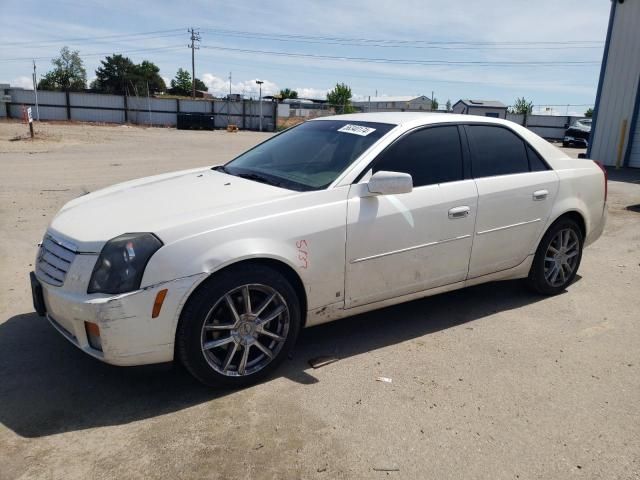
(582, 128)
(160, 204)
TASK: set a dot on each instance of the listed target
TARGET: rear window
(496, 151)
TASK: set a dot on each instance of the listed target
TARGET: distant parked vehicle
(219, 268)
(577, 135)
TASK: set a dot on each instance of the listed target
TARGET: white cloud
(220, 86)
(314, 93)
(23, 82)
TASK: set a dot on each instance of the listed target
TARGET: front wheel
(557, 259)
(239, 326)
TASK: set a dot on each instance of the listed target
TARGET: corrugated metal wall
(619, 84)
(547, 126)
(634, 157)
(92, 107)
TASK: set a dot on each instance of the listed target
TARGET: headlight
(121, 263)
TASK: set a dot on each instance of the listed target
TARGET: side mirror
(390, 183)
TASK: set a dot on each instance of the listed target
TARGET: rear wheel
(557, 259)
(239, 326)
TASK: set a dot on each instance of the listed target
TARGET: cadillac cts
(219, 268)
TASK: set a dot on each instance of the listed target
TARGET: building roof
(482, 103)
(401, 98)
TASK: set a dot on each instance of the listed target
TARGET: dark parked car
(577, 135)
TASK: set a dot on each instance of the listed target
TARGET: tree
(288, 93)
(434, 103)
(589, 112)
(118, 74)
(200, 85)
(448, 105)
(148, 76)
(68, 73)
(114, 74)
(521, 106)
(340, 98)
(181, 85)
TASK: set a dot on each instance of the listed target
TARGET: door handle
(459, 212)
(540, 194)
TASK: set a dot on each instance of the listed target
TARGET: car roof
(412, 119)
(409, 120)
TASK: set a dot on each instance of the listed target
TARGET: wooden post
(29, 118)
(126, 108)
(623, 134)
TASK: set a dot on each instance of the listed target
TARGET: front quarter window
(310, 156)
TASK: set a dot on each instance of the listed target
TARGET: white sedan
(219, 268)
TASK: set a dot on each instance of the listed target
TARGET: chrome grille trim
(54, 260)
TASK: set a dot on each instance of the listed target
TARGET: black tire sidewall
(536, 275)
(193, 315)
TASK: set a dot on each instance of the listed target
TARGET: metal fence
(551, 127)
(102, 108)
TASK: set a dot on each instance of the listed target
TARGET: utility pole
(229, 102)
(195, 37)
(35, 90)
(260, 82)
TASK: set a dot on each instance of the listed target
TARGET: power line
(96, 54)
(119, 36)
(85, 42)
(422, 44)
(481, 63)
(431, 42)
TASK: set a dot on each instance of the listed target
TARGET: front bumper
(576, 141)
(128, 333)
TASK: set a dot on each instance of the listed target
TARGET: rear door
(516, 190)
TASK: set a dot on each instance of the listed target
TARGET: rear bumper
(128, 333)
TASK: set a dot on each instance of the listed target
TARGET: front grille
(54, 261)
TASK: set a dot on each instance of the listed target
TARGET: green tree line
(116, 74)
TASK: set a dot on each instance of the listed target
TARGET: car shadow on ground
(47, 386)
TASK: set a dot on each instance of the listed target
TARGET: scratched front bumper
(129, 335)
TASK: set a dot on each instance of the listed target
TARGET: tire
(566, 144)
(221, 344)
(557, 259)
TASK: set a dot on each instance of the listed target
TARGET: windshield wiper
(258, 178)
(220, 168)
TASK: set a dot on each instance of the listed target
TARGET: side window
(496, 151)
(431, 155)
(536, 164)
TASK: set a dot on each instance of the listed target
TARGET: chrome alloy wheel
(561, 258)
(245, 330)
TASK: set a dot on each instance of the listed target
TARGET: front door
(401, 244)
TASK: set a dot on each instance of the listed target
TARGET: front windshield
(309, 156)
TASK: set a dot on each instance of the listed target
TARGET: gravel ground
(490, 382)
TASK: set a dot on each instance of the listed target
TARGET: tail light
(604, 171)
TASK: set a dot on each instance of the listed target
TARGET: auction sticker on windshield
(357, 129)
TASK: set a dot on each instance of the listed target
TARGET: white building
(615, 134)
(394, 104)
(484, 108)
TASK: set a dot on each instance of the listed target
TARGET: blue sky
(422, 35)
